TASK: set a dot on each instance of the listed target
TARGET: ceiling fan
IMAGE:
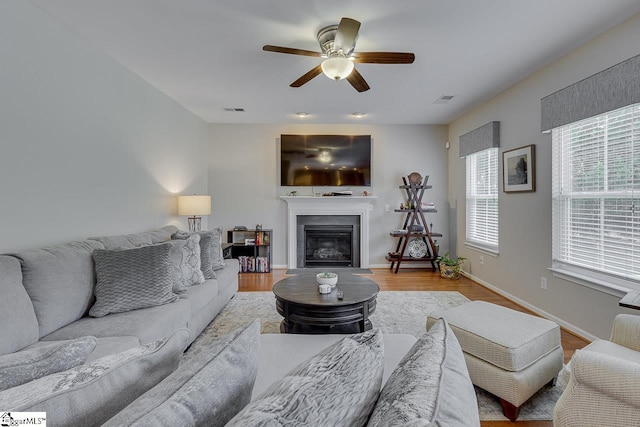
(337, 43)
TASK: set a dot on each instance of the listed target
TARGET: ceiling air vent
(234, 110)
(444, 99)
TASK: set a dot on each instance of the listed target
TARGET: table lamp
(193, 206)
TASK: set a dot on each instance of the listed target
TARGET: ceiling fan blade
(346, 36)
(357, 81)
(307, 76)
(290, 50)
(384, 57)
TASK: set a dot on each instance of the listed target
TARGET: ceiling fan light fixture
(337, 67)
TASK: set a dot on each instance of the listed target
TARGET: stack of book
(250, 264)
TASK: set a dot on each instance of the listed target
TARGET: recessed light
(357, 114)
(302, 114)
(234, 110)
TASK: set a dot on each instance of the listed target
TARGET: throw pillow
(28, 365)
(208, 390)
(129, 279)
(206, 255)
(217, 258)
(89, 395)
(185, 262)
(430, 386)
(337, 387)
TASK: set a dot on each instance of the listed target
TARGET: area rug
(396, 312)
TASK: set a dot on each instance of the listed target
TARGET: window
(482, 199)
(596, 183)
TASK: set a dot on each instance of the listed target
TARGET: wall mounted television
(325, 160)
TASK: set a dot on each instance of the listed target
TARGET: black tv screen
(325, 160)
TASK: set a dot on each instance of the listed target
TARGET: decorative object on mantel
(194, 206)
(519, 169)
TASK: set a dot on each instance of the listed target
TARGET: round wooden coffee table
(307, 311)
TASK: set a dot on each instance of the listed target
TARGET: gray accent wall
(86, 146)
(525, 218)
(245, 188)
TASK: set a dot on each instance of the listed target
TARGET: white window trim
(489, 250)
(601, 282)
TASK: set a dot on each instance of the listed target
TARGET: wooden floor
(426, 280)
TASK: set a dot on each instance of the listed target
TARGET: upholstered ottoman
(508, 353)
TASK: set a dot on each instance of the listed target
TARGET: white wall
(525, 218)
(245, 188)
(86, 146)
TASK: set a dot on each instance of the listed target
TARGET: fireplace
(328, 241)
(328, 245)
(356, 207)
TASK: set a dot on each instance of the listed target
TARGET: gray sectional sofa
(45, 295)
(127, 368)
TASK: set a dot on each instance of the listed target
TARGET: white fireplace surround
(337, 205)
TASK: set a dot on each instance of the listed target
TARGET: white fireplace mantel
(322, 205)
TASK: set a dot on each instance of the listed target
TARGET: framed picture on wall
(519, 169)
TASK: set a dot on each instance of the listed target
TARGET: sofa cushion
(129, 279)
(337, 387)
(430, 386)
(185, 262)
(89, 395)
(59, 281)
(228, 275)
(128, 241)
(209, 389)
(104, 346)
(147, 324)
(18, 320)
(28, 365)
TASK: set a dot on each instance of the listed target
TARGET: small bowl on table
(327, 279)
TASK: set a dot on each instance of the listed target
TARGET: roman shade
(608, 90)
(487, 136)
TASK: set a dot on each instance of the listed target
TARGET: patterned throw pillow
(185, 262)
(89, 395)
(129, 279)
(28, 365)
(430, 386)
(211, 257)
(209, 389)
(337, 387)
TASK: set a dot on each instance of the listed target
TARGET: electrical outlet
(543, 283)
(387, 208)
(481, 260)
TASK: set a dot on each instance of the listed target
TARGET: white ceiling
(207, 54)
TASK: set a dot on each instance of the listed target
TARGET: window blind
(596, 183)
(482, 199)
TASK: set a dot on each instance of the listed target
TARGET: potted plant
(449, 267)
(327, 278)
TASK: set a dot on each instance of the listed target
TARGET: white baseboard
(566, 325)
(411, 264)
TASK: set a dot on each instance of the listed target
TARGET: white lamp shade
(194, 205)
(337, 67)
